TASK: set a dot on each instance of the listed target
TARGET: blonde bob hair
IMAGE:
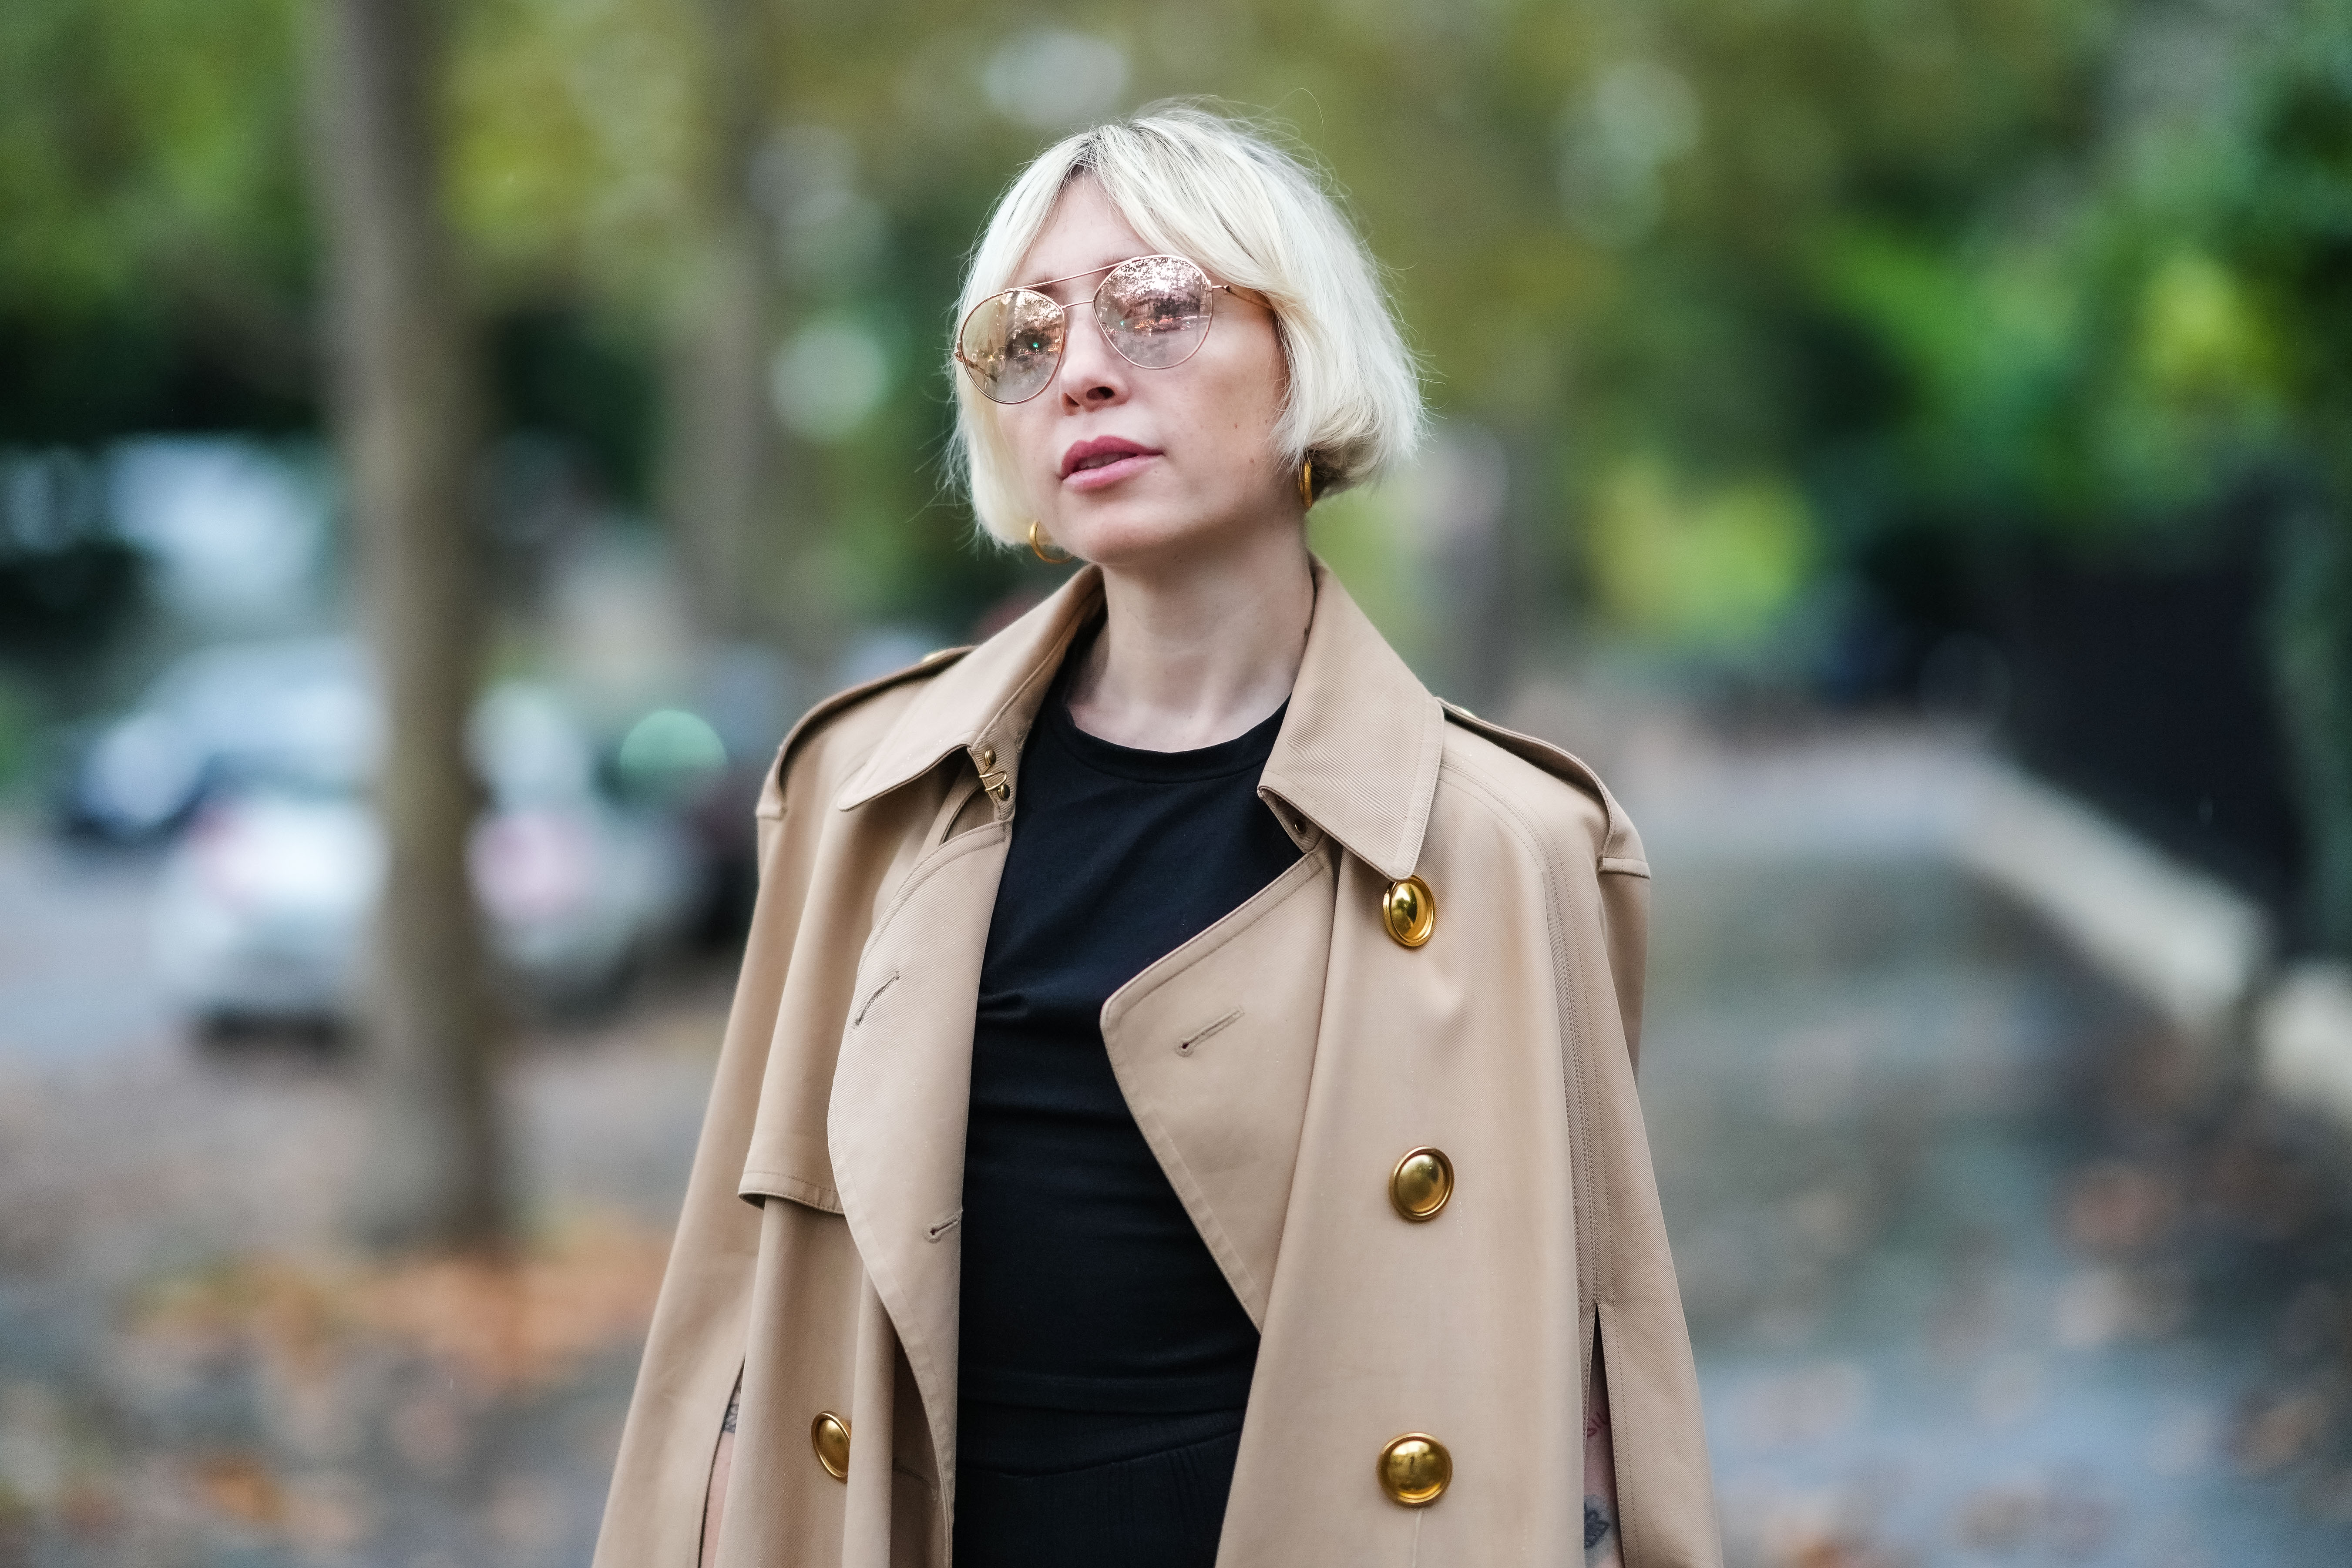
(1226, 195)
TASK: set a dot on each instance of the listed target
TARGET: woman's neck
(1197, 650)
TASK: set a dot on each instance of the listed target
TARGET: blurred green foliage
(152, 220)
(1712, 567)
(2060, 268)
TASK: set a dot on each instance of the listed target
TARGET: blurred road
(194, 1370)
(1980, 1267)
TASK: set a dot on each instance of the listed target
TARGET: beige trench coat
(1279, 1064)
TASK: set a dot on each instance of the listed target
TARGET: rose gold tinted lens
(1154, 310)
(1011, 343)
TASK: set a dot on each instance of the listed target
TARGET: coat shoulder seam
(1536, 798)
(1620, 845)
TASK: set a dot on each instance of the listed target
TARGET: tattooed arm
(722, 1464)
(1601, 1536)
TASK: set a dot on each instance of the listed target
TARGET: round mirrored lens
(1154, 310)
(1011, 343)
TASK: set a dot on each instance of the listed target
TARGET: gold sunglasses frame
(1039, 289)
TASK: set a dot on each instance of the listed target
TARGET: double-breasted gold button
(1415, 1469)
(829, 1436)
(1421, 1184)
(1410, 912)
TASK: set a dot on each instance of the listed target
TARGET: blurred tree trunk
(409, 403)
(719, 450)
(2311, 660)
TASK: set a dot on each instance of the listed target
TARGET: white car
(302, 708)
(264, 903)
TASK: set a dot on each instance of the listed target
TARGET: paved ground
(1981, 1265)
(1979, 1268)
(194, 1372)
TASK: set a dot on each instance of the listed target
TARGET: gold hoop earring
(1306, 480)
(1037, 546)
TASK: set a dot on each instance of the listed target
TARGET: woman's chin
(1146, 535)
(1131, 535)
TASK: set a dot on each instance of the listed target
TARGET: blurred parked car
(299, 710)
(261, 913)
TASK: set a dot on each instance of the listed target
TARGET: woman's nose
(1093, 373)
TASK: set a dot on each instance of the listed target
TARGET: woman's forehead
(1085, 234)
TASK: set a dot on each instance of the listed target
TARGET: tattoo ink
(1596, 1525)
(735, 1404)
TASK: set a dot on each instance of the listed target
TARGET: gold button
(829, 1436)
(1415, 1469)
(987, 758)
(1411, 911)
(1421, 1184)
(1001, 788)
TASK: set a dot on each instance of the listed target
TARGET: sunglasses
(1154, 310)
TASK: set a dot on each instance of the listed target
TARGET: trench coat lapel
(900, 1096)
(1214, 1048)
(902, 1087)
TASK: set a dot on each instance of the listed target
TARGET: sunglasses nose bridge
(1088, 350)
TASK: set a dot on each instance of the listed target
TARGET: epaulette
(840, 701)
(1620, 847)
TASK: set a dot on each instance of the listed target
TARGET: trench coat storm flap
(1278, 1064)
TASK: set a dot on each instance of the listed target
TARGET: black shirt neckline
(1249, 750)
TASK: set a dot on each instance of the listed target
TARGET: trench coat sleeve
(1665, 1494)
(1629, 1307)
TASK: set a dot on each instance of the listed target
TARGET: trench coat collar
(1357, 757)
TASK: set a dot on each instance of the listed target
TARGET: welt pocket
(872, 997)
(1184, 1046)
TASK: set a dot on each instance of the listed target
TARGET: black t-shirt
(1086, 1287)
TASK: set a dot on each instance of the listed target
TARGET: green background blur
(1805, 330)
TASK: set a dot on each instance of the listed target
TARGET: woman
(1179, 1105)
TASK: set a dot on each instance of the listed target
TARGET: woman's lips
(1109, 473)
(1103, 461)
